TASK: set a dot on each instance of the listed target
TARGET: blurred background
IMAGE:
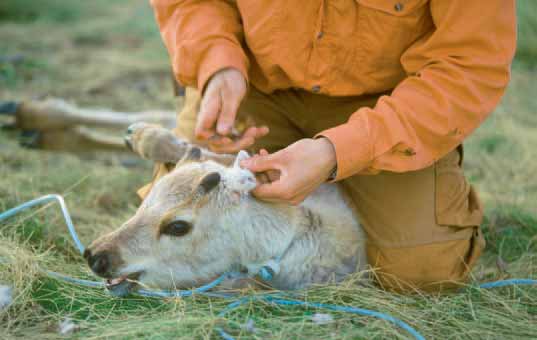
(103, 53)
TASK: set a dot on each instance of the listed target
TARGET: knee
(429, 268)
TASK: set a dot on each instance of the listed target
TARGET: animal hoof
(30, 139)
(8, 127)
(9, 108)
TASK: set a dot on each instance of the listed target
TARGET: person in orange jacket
(376, 95)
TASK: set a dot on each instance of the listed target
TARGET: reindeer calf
(200, 221)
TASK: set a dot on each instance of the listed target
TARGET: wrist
(219, 57)
(330, 159)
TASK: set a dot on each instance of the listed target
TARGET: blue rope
(266, 273)
(42, 200)
(510, 282)
(285, 302)
(352, 310)
(144, 292)
(87, 283)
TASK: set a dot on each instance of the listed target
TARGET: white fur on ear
(242, 155)
(239, 179)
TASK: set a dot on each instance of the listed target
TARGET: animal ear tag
(242, 155)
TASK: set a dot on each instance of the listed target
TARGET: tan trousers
(422, 226)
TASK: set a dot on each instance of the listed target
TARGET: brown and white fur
(200, 221)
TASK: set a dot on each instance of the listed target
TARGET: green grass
(51, 10)
(104, 53)
(527, 33)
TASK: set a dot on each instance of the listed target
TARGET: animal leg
(53, 114)
(161, 145)
(77, 139)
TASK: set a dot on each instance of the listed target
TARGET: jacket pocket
(385, 30)
(398, 8)
(456, 202)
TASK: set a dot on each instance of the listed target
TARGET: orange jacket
(446, 63)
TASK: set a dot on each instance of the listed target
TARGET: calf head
(181, 235)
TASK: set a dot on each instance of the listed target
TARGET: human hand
(218, 111)
(303, 166)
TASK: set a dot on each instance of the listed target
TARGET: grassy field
(109, 54)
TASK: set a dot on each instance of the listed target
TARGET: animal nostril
(87, 254)
(99, 263)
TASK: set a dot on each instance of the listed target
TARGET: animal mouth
(123, 285)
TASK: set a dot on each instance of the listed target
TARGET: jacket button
(316, 89)
(398, 7)
(320, 35)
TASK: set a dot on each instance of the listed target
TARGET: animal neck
(266, 230)
(307, 258)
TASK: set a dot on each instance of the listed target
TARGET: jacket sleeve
(456, 75)
(202, 37)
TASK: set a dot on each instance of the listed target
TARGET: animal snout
(127, 138)
(99, 262)
(130, 132)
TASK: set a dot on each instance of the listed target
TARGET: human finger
(219, 140)
(256, 132)
(273, 192)
(260, 163)
(243, 143)
(230, 104)
(209, 111)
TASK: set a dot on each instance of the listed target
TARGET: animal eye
(176, 228)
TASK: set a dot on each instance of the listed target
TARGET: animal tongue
(115, 282)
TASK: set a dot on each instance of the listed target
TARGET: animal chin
(123, 285)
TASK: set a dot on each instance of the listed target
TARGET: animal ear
(192, 154)
(208, 183)
(242, 155)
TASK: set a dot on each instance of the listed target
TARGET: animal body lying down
(200, 221)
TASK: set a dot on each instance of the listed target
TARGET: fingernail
(223, 129)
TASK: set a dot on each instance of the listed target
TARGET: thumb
(261, 163)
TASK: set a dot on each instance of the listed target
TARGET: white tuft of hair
(322, 318)
(6, 296)
(67, 326)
